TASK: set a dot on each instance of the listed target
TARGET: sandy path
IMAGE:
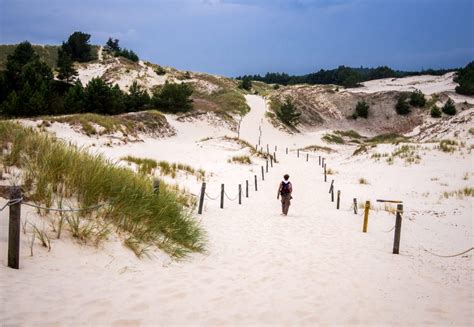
(312, 267)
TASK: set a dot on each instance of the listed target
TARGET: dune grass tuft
(51, 167)
(244, 160)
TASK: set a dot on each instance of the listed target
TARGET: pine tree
(288, 114)
(449, 108)
(402, 106)
(362, 109)
(66, 70)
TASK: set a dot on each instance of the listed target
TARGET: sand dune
(314, 267)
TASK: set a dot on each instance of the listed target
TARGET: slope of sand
(428, 84)
(313, 267)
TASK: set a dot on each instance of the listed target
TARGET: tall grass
(50, 166)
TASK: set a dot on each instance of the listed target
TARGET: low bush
(435, 112)
(449, 108)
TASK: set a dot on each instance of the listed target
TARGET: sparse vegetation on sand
(252, 149)
(318, 148)
(332, 138)
(448, 145)
(465, 192)
(148, 166)
(149, 122)
(52, 169)
(363, 181)
(244, 160)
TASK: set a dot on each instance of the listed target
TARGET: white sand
(314, 267)
(428, 84)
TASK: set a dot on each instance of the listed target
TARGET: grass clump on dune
(245, 160)
(331, 138)
(318, 148)
(151, 122)
(49, 166)
(148, 166)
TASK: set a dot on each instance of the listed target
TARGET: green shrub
(435, 112)
(362, 109)
(402, 106)
(173, 97)
(417, 99)
(449, 108)
(288, 114)
(465, 78)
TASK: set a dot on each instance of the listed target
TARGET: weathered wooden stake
(156, 186)
(332, 194)
(14, 229)
(268, 149)
(240, 193)
(271, 161)
(298, 153)
(275, 156)
(255, 176)
(323, 161)
(266, 167)
(201, 199)
(366, 216)
(338, 199)
(222, 196)
(263, 174)
(320, 160)
(247, 188)
(398, 229)
(355, 206)
(307, 157)
(276, 148)
(286, 150)
(331, 186)
(325, 175)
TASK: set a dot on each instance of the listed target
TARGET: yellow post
(366, 216)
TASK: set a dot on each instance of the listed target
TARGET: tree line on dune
(29, 87)
(352, 77)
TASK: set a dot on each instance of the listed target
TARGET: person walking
(285, 189)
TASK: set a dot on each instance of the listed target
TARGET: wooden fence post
(398, 229)
(298, 153)
(14, 229)
(268, 149)
(271, 161)
(256, 189)
(366, 216)
(275, 156)
(325, 174)
(156, 186)
(332, 194)
(355, 206)
(320, 160)
(287, 150)
(263, 174)
(247, 188)
(266, 166)
(307, 157)
(276, 148)
(338, 199)
(222, 196)
(240, 193)
(201, 199)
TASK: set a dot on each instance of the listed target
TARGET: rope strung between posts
(210, 197)
(228, 197)
(388, 231)
(449, 256)
(20, 200)
(11, 202)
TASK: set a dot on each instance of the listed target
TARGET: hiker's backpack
(285, 188)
